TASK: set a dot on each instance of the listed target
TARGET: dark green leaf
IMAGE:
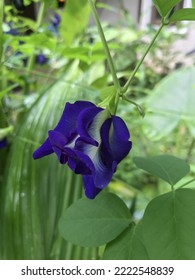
(169, 226)
(95, 222)
(138, 250)
(169, 168)
(120, 248)
(165, 6)
(127, 246)
(183, 14)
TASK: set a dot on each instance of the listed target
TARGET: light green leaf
(4, 132)
(165, 6)
(169, 168)
(183, 14)
(193, 3)
(171, 101)
(7, 90)
(94, 222)
(74, 20)
(169, 226)
(108, 96)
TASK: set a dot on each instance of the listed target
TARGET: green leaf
(3, 118)
(129, 245)
(95, 222)
(4, 132)
(7, 90)
(165, 6)
(108, 96)
(169, 226)
(193, 3)
(120, 248)
(183, 14)
(169, 168)
(171, 102)
(74, 20)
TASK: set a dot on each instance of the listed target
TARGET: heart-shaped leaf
(95, 222)
(128, 245)
(169, 168)
(171, 102)
(183, 14)
(165, 6)
(168, 226)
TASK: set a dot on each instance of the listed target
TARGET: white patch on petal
(71, 145)
(92, 151)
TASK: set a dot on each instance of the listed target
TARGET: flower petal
(69, 118)
(3, 143)
(44, 150)
(85, 120)
(103, 164)
(90, 189)
(58, 141)
(80, 163)
(100, 156)
(115, 136)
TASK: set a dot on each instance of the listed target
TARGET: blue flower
(41, 59)
(54, 26)
(3, 143)
(91, 141)
(56, 19)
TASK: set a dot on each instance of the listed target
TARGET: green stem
(140, 109)
(105, 45)
(125, 88)
(185, 184)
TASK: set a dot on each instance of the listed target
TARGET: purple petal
(69, 118)
(56, 20)
(3, 143)
(103, 164)
(80, 163)
(58, 141)
(44, 150)
(115, 136)
(100, 156)
(85, 120)
(90, 189)
(41, 59)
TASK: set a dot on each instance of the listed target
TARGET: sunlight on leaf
(166, 167)
(171, 101)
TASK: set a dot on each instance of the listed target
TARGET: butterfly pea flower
(91, 141)
(41, 59)
(3, 143)
(56, 19)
